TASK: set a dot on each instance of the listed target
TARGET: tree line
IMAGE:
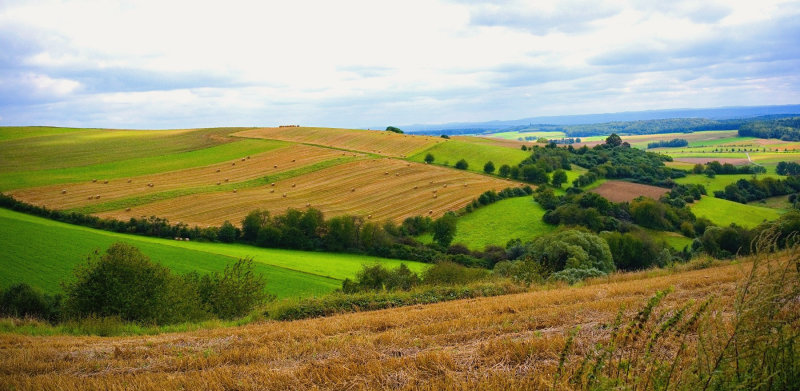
(674, 143)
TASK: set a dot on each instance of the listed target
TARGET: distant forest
(772, 125)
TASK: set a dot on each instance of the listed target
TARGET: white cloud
(362, 62)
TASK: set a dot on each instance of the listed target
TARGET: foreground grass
(509, 342)
(723, 212)
(42, 253)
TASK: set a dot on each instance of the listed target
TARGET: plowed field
(371, 141)
(381, 188)
(621, 191)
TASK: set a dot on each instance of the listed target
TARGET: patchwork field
(718, 182)
(289, 273)
(267, 166)
(723, 212)
(621, 191)
(380, 188)
(370, 141)
(475, 153)
(507, 342)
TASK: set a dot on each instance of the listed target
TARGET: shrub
(505, 170)
(522, 271)
(235, 291)
(23, 301)
(488, 167)
(429, 158)
(573, 276)
(227, 232)
(462, 164)
(449, 273)
(570, 249)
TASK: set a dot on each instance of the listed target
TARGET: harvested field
(370, 141)
(621, 191)
(704, 160)
(77, 194)
(506, 342)
(382, 188)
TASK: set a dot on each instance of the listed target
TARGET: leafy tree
(462, 164)
(571, 249)
(505, 170)
(227, 232)
(234, 292)
(402, 278)
(488, 167)
(534, 174)
(394, 129)
(23, 301)
(450, 273)
(429, 158)
(559, 178)
(253, 223)
(614, 140)
(444, 229)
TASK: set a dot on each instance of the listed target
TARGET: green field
(673, 239)
(719, 182)
(42, 253)
(724, 212)
(522, 134)
(476, 154)
(496, 224)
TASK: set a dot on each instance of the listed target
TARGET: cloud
(543, 17)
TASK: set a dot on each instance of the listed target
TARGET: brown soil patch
(621, 191)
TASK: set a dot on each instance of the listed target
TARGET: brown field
(500, 142)
(704, 160)
(370, 141)
(505, 342)
(621, 191)
(384, 189)
(77, 194)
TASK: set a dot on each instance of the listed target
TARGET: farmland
(718, 182)
(466, 344)
(382, 188)
(374, 142)
(288, 273)
(724, 212)
(475, 153)
(496, 224)
(621, 191)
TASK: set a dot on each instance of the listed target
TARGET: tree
(614, 140)
(559, 177)
(534, 174)
(488, 167)
(227, 232)
(429, 158)
(235, 291)
(253, 223)
(505, 169)
(444, 229)
(393, 129)
(462, 164)
(571, 249)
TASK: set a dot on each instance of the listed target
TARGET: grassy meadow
(723, 212)
(476, 154)
(496, 224)
(43, 252)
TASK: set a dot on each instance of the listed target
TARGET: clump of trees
(714, 168)
(124, 283)
(787, 129)
(788, 168)
(394, 129)
(377, 278)
(674, 143)
(462, 164)
(746, 190)
(429, 158)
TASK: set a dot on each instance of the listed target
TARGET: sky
(351, 63)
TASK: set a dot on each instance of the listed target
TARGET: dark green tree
(227, 232)
(488, 167)
(559, 178)
(504, 171)
(534, 174)
(614, 140)
(253, 223)
(444, 229)
(429, 158)
(462, 164)
(394, 129)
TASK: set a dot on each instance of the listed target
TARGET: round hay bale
(226, 179)
(294, 184)
(272, 184)
(218, 170)
(308, 204)
(284, 195)
(294, 160)
(130, 180)
(94, 180)
(233, 164)
(248, 156)
(430, 212)
(434, 191)
(234, 190)
(150, 184)
(243, 159)
(415, 187)
(90, 197)
(275, 166)
(369, 216)
(465, 185)
(431, 182)
(105, 182)
(271, 190)
(64, 191)
(445, 185)
(127, 209)
(353, 190)
(397, 174)
(97, 197)
(218, 183)
(408, 164)
(435, 195)
(386, 173)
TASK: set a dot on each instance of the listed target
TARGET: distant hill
(720, 113)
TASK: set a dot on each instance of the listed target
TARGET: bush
(23, 301)
(462, 164)
(234, 292)
(570, 249)
(522, 271)
(573, 276)
(488, 167)
(449, 273)
(429, 158)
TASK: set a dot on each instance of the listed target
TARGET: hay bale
(105, 182)
(431, 182)
(294, 184)
(435, 195)
(272, 184)
(271, 190)
(445, 185)
(218, 170)
(430, 212)
(284, 195)
(465, 185)
(434, 191)
(97, 197)
(275, 166)
(90, 197)
(369, 216)
(294, 160)
(415, 187)
(233, 164)
(130, 180)
(64, 191)
(226, 179)
(308, 204)
(127, 209)
(243, 159)
(234, 190)
(386, 173)
(397, 174)
(186, 239)
(248, 156)
(218, 183)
